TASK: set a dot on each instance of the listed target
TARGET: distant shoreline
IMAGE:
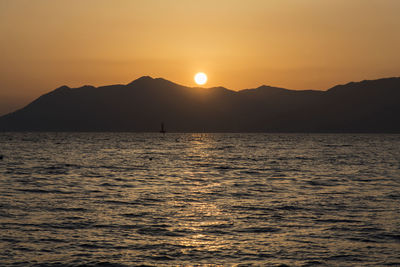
(370, 106)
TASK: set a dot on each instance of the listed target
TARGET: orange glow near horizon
(308, 44)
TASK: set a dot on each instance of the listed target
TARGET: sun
(200, 78)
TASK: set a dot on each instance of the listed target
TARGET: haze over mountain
(367, 106)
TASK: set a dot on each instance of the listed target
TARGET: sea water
(126, 199)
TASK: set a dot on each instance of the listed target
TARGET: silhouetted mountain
(367, 106)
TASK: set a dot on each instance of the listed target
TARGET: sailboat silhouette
(162, 130)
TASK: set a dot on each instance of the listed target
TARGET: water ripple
(129, 199)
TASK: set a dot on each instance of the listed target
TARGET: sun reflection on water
(201, 214)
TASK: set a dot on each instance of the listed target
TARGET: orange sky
(307, 44)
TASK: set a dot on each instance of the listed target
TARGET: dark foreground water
(191, 199)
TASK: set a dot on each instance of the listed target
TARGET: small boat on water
(162, 130)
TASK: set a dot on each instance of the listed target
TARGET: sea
(206, 199)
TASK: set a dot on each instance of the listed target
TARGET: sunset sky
(296, 44)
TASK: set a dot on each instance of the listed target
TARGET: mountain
(367, 106)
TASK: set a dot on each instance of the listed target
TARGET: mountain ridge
(141, 105)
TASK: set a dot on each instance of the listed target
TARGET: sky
(295, 44)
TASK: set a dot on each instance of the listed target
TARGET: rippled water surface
(186, 199)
